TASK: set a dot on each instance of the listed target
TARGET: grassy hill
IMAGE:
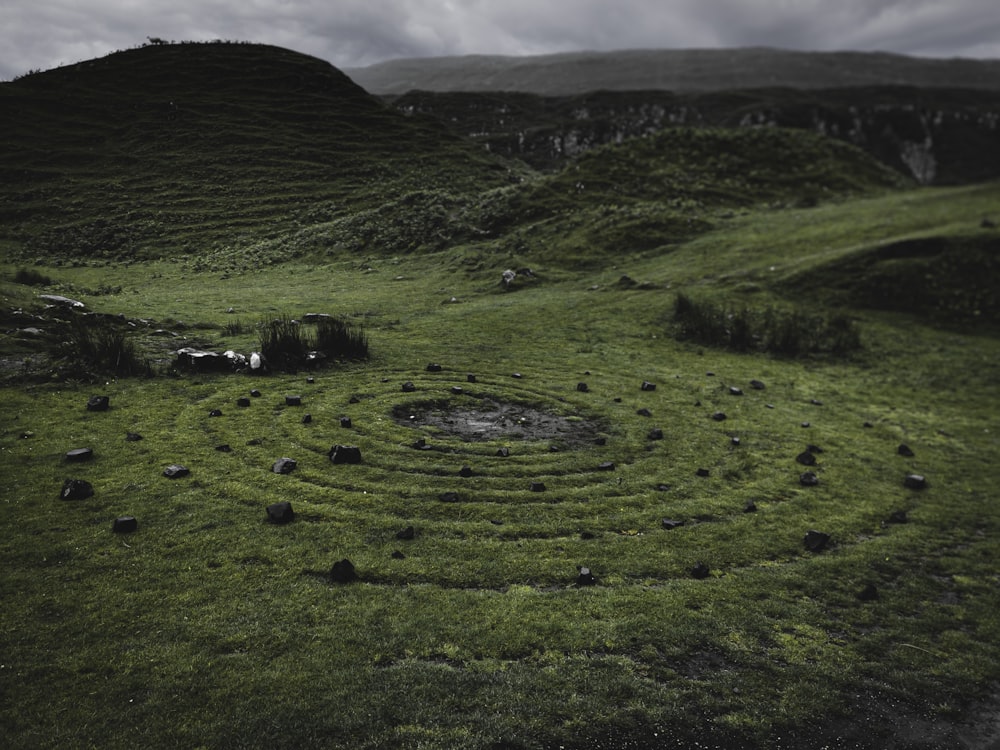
(714, 469)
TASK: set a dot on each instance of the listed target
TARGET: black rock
(719, 416)
(585, 578)
(905, 450)
(897, 516)
(345, 422)
(98, 403)
(397, 555)
(757, 385)
(655, 434)
(465, 471)
(670, 523)
(702, 472)
(408, 387)
(700, 571)
(132, 437)
(470, 378)
(600, 441)
(647, 386)
(433, 367)
(457, 390)
(124, 525)
(215, 413)
(808, 479)
(224, 448)
(310, 380)
(293, 400)
(516, 375)
(76, 489)
(406, 534)
(815, 402)
(662, 487)
(343, 572)
(503, 452)
(255, 393)
(284, 466)
(750, 507)
(449, 497)
(734, 440)
(868, 425)
(243, 402)
(734, 391)
(176, 471)
(307, 418)
(915, 482)
(345, 454)
(869, 593)
(280, 512)
(537, 487)
(806, 458)
(816, 541)
(587, 535)
(582, 387)
(806, 424)
(80, 454)
(419, 444)
(644, 413)
(606, 466)
(255, 441)
(813, 448)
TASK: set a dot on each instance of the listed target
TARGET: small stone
(537, 487)
(700, 571)
(224, 448)
(280, 512)
(750, 507)
(587, 535)
(719, 416)
(869, 593)
(585, 577)
(343, 572)
(813, 448)
(734, 391)
(215, 413)
(734, 440)
(255, 441)
(255, 393)
(409, 387)
(307, 418)
(644, 413)
(647, 386)
(600, 441)
(582, 387)
(702, 472)
(76, 489)
(449, 497)
(808, 479)
(310, 380)
(662, 487)
(293, 400)
(516, 375)
(806, 424)
(670, 523)
(806, 458)
(457, 390)
(406, 534)
(606, 466)
(80, 454)
(915, 482)
(176, 471)
(397, 555)
(124, 525)
(757, 385)
(655, 434)
(868, 425)
(284, 466)
(503, 452)
(815, 402)
(243, 402)
(897, 516)
(132, 437)
(98, 403)
(344, 454)
(345, 422)
(816, 541)
(470, 378)
(465, 471)
(433, 367)
(905, 450)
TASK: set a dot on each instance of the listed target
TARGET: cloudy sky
(41, 34)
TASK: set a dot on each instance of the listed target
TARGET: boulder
(307, 418)
(196, 360)
(255, 393)
(124, 525)
(284, 466)
(470, 378)
(644, 412)
(280, 512)
(243, 402)
(503, 452)
(215, 413)
(176, 471)
(702, 472)
(76, 489)
(869, 593)
(132, 437)
(57, 299)
(224, 448)
(457, 390)
(734, 391)
(465, 471)
(449, 497)
(345, 454)
(343, 572)
(98, 403)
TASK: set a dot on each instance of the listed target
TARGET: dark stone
(307, 418)
(433, 367)
(345, 422)
(757, 385)
(80, 454)
(419, 444)
(585, 578)
(293, 400)
(719, 416)
(582, 387)
(606, 466)
(702, 472)
(709, 374)
(600, 441)
(354, 400)
(869, 593)
(662, 487)
(98, 403)
(343, 572)
(915, 482)
(808, 479)
(816, 541)
(345, 454)
(813, 448)
(655, 434)
(806, 458)
(76, 489)
(537, 487)
(397, 555)
(408, 387)
(465, 471)
(255, 393)
(905, 450)
(470, 378)
(133, 437)
(647, 386)
(897, 516)
(280, 512)
(449, 497)
(700, 571)
(255, 441)
(215, 413)
(124, 525)
(224, 448)
(734, 391)
(750, 507)
(406, 534)
(516, 375)
(806, 424)
(734, 440)
(176, 471)
(457, 390)
(503, 452)
(310, 380)
(644, 413)
(586, 535)
(284, 466)
(243, 401)
(670, 523)
(868, 425)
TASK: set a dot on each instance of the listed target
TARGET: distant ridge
(686, 70)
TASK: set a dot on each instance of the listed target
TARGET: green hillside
(688, 443)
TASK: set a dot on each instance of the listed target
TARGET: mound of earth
(489, 419)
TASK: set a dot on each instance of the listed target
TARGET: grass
(210, 627)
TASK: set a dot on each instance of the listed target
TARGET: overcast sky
(42, 34)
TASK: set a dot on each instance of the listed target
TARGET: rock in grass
(655, 434)
(132, 437)
(124, 525)
(346, 423)
(915, 482)
(280, 513)
(503, 452)
(449, 497)
(465, 471)
(582, 387)
(869, 593)
(224, 448)
(76, 489)
(80, 454)
(243, 402)
(905, 450)
(284, 466)
(406, 534)
(897, 516)
(757, 385)
(345, 454)
(307, 418)
(585, 577)
(409, 387)
(98, 403)
(537, 487)
(606, 466)
(434, 367)
(750, 507)
(808, 479)
(255, 393)
(647, 386)
(215, 413)
(293, 400)
(670, 523)
(700, 570)
(702, 472)
(806, 458)
(343, 572)
(719, 416)
(176, 471)
(734, 391)
(644, 412)
(816, 541)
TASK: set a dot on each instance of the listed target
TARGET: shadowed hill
(169, 149)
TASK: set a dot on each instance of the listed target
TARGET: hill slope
(673, 70)
(170, 149)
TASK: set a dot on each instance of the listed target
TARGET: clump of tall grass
(287, 345)
(101, 347)
(31, 277)
(785, 333)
